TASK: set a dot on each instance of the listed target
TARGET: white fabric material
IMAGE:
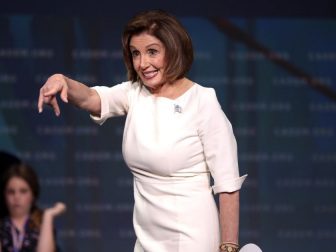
(250, 247)
(171, 152)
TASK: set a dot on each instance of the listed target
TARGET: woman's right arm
(70, 91)
(46, 241)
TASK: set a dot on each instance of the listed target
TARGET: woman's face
(148, 55)
(19, 197)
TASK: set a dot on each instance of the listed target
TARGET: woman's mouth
(150, 74)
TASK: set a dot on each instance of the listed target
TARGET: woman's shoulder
(205, 94)
(123, 85)
(130, 84)
(129, 87)
(4, 222)
(5, 228)
(208, 102)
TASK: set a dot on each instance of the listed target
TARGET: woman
(175, 136)
(24, 227)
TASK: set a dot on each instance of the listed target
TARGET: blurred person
(24, 227)
(176, 136)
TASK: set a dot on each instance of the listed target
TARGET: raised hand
(57, 209)
(46, 241)
(56, 84)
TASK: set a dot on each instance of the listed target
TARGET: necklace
(17, 238)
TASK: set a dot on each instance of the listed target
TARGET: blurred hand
(56, 84)
(57, 209)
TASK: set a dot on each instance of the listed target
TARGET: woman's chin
(18, 214)
(152, 83)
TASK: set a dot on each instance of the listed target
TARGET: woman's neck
(19, 221)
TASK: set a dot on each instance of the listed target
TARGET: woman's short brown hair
(165, 27)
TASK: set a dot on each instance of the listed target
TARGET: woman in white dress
(176, 136)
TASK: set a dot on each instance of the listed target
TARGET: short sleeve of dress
(114, 101)
(219, 144)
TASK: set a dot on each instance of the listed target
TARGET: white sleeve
(219, 143)
(114, 101)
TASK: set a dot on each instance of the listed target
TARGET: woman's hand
(57, 209)
(55, 84)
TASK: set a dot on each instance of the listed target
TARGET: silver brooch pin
(177, 108)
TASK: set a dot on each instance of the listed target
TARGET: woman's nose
(144, 62)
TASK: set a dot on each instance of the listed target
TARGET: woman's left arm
(46, 241)
(229, 216)
(220, 149)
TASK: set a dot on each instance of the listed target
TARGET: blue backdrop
(285, 129)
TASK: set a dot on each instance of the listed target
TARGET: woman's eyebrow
(132, 46)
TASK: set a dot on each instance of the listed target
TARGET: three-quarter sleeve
(219, 144)
(114, 101)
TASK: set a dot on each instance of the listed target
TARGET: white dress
(172, 147)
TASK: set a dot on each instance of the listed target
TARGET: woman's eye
(152, 51)
(10, 192)
(23, 191)
(134, 53)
